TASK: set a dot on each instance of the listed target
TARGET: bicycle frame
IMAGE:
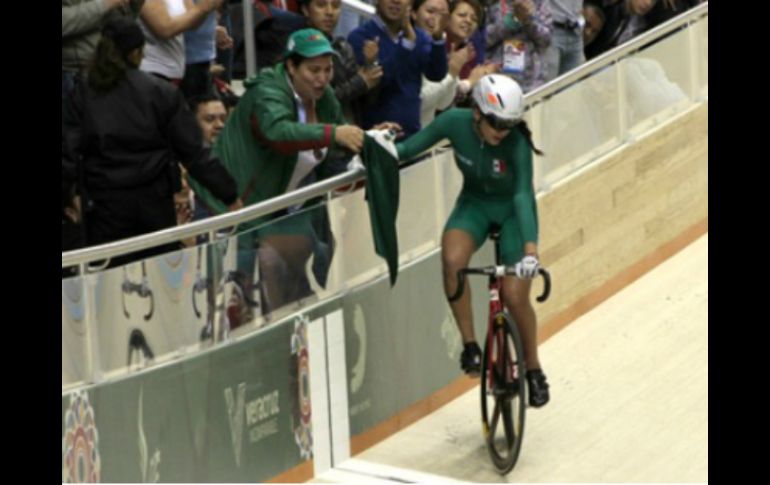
(495, 309)
(506, 368)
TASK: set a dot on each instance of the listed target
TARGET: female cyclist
(493, 149)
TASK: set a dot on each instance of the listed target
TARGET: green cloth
(382, 194)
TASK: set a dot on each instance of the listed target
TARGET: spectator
(211, 114)
(81, 22)
(201, 46)
(163, 23)
(351, 83)
(281, 135)
(225, 54)
(611, 14)
(595, 20)
(431, 16)
(566, 50)
(405, 54)
(635, 19)
(623, 19)
(518, 35)
(665, 10)
(463, 30)
(127, 128)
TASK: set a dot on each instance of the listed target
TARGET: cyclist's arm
(524, 195)
(425, 138)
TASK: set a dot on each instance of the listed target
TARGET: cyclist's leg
(516, 298)
(457, 247)
(464, 233)
(516, 291)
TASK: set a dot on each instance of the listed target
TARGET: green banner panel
(238, 414)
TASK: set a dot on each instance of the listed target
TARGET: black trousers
(127, 212)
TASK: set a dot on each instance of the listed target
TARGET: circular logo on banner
(80, 445)
(304, 387)
(303, 427)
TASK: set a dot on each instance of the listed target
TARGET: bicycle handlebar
(546, 285)
(493, 271)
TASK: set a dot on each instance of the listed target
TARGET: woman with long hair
(126, 129)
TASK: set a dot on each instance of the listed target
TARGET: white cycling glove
(527, 267)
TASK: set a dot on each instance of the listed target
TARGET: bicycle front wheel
(503, 393)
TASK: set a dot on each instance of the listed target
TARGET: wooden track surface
(629, 386)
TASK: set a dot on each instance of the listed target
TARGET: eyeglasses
(500, 124)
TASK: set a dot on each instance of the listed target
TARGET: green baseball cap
(308, 43)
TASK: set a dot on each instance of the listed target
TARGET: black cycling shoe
(538, 388)
(470, 360)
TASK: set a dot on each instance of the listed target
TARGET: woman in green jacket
(286, 131)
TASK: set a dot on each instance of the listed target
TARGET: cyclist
(493, 150)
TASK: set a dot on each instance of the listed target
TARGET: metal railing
(359, 7)
(81, 257)
(210, 225)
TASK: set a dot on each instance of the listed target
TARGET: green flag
(382, 192)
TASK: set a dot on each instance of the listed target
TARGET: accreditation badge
(514, 56)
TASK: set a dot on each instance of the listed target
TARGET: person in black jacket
(127, 129)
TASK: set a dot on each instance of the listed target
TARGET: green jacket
(262, 137)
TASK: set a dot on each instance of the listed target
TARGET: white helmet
(500, 97)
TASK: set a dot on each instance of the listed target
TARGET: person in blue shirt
(405, 54)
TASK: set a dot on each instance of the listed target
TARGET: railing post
(620, 78)
(692, 60)
(248, 38)
(94, 372)
(538, 130)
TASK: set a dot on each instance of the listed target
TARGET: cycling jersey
(497, 181)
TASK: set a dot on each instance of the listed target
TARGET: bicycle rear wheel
(503, 393)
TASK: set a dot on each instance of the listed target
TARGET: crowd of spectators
(138, 74)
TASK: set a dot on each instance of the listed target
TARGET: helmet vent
(502, 105)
